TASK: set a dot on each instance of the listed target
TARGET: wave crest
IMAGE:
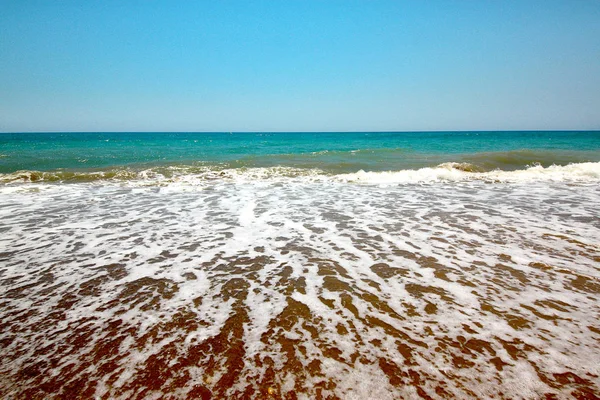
(459, 172)
(446, 172)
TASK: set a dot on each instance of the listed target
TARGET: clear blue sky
(299, 65)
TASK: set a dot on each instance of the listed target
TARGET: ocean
(357, 265)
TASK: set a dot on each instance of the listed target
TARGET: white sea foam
(259, 282)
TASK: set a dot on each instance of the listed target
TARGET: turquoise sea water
(328, 152)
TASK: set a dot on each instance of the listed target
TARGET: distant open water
(330, 153)
(335, 265)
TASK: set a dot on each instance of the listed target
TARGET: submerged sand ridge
(300, 290)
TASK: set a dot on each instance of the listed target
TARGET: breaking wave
(445, 172)
(458, 172)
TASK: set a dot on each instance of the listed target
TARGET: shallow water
(303, 287)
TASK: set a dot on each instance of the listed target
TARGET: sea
(349, 265)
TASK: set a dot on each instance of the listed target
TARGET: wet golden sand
(223, 359)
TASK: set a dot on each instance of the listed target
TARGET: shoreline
(303, 290)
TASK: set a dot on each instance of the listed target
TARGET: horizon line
(327, 131)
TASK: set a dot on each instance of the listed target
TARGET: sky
(310, 65)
